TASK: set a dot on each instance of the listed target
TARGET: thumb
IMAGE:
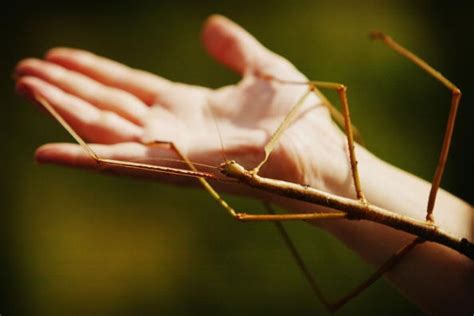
(234, 47)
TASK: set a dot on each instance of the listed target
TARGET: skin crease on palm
(119, 109)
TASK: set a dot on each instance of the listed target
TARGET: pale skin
(120, 110)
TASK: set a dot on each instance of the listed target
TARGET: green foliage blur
(77, 243)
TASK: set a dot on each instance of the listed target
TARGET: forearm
(435, 277)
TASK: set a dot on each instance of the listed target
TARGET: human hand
(120, 109)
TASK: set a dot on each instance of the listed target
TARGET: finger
(144, 85)
(73, 155)
(104, 97)
(231, 45)
(91, 123)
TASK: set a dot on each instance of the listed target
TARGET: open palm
(120, 110)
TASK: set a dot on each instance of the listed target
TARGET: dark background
(79, 243)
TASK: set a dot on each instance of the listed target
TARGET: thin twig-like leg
(376, 275)
(281, 128)
(312, 87)
(335, 114)
(339, 117)
(251, 217)
(386, 266)
(342, 92)
(455, 97)
(299, 261)
(114, 162)
(334, 306)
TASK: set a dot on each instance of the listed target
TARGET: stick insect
(349, 209)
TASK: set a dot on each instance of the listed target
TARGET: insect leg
(281, 128)
(377, 274)
(299, 261)
(335, 113)
(312, 88)
(114, 162)
(455, 97)
(254, 217)
(339, 117)
(342, 92)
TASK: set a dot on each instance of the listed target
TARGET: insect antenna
(218, 132)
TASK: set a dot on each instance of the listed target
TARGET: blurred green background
(76, 243)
